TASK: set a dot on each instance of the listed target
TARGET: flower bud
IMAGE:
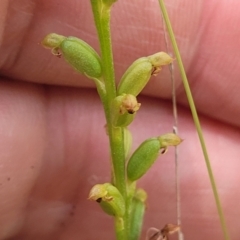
(147, 153)
(52, 40)
(109, 198)
(141, 195)
(169, 139)
(81, 56)
(158, 60)
(123, 110)
(138, 74)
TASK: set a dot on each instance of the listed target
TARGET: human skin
(53, 147)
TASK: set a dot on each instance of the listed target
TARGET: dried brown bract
(156, 234)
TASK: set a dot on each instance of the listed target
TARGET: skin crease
(53, 147)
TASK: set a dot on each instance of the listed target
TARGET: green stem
(195, 117)
(102, 21)
(101, 11)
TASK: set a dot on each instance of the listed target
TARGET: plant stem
(102, 21)
(195, 118)
(101, 11)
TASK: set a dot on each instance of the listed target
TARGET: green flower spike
(76, 52)
(109, 198)
(147, 153)
(124, 108)
(138, 74)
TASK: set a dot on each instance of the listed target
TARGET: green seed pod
(143, 158)
(137, 214)
(138, 74)
(76, 52)
(82, 57)
(147, 153)
(136, 77)
(123, 110)
(109, 198)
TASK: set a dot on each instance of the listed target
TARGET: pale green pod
(82, 57)
(143, 158)
(138, 74)
(137, 214)
(76, 52)
(148, 152)
(136, 77)
(109, 198)
(123, 110)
